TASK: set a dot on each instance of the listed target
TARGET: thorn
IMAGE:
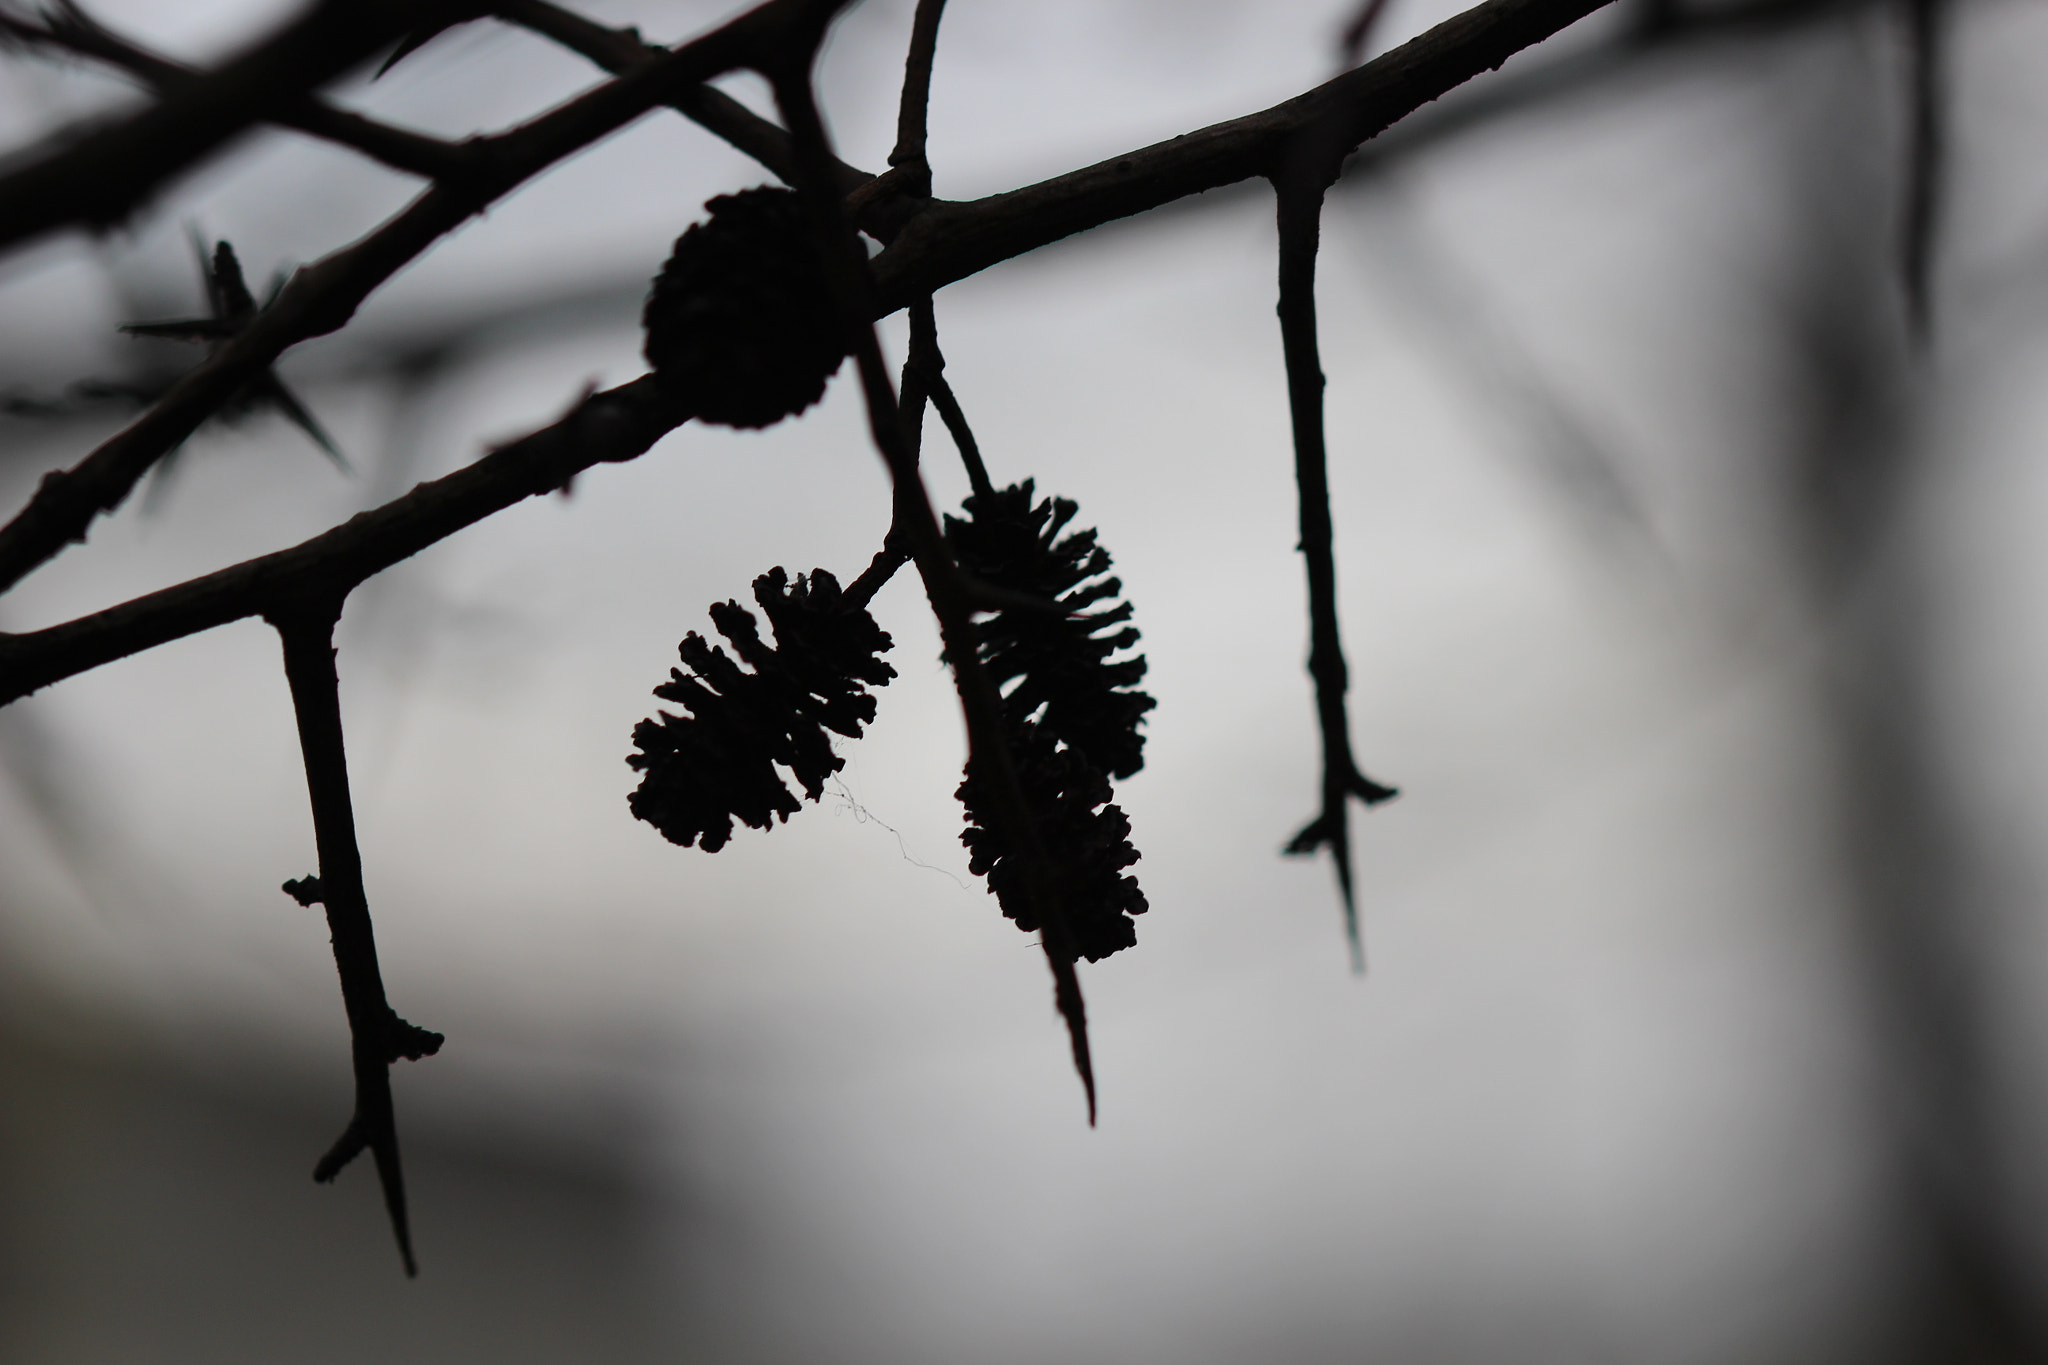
(272, 388)
(1369, 791)
(346, 1148)
(412, 43)
(392, 1178)
(1067, 998)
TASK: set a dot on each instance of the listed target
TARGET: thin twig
(924, 379)
(892, 556)
(615, 425)
(988, 756)
(912, 111)
(377, 1036)
(620, 50)
(1351, 42)
(969, 233)
(948, 241)
(71, 29)
(98, 178)
(322, 297)
(1924, 155)
(1299, 197)
(930, 365)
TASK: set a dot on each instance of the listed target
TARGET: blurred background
(1693, 607)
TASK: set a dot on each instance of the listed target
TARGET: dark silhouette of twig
(615, 425)
(69, 28)
(623, 50)
(97, 178)
(929, 362)
(988, 757)
(232, 307)
(1924, 160)
(909, 157)
(377, 1036)
(947, 240)
(322, 297)
(1298, 193)
(924, 367)
(1358, 32)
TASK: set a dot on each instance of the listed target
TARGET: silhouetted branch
(322, 297)
(617, 424)
(1299, 196)
(70, 29)
(1659, 29)
(1924, 157)
(989, 760)
(908, 158)
(377, 1036)
(929, 363)
(948, 241)
(623, 50)
(97, 178)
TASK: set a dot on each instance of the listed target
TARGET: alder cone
(1057, 668)
(1086, 837)
(724, 760)
(740, 323)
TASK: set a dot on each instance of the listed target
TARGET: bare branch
(377, 1036)
(617, 424)
(911, 112)
(621, 50)
(322, 297)
(988, 755)
(1924, 154)
(1299, 197)
(930, 365)
(71, 29)
(98, 178)
(949, 241)
(610, 426)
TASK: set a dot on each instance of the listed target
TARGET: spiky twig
(377, 1036)
(1299, 192)
(232, 308)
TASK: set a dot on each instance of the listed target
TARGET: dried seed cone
(1087, 837)
(740, 324)
(724, 760)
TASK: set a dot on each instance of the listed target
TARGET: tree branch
(930, 365)
(377, 1036)
(949, 241)
(1299, 198)
(71, 29)
(621, 50)
(988, 753)
(97, 178)
(322, 297)
(621, 423)
(617, 424)
(912, 110)
(1924, 156)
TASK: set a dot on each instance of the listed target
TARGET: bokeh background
(1694, 609)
